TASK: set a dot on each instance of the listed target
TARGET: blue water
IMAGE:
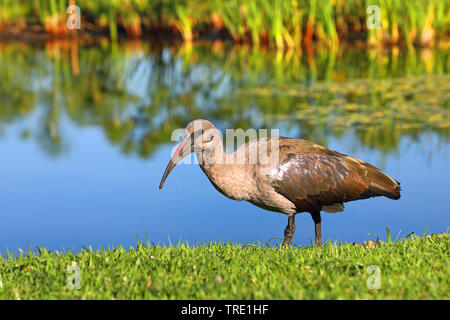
(95, 196)
(83, 148)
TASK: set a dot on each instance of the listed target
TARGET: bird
(302, 176)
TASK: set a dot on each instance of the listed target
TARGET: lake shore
(159, 36)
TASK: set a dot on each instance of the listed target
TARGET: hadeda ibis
(306, 177)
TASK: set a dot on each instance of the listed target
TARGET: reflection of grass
(276, 22)
(410, 269)
(137, 96)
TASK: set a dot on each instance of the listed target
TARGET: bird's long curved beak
(169, 168)
(182, 151)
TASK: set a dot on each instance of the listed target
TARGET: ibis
(305, 176)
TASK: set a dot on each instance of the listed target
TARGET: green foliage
(414, 268)
(279, 23)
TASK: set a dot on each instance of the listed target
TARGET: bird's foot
(288, 235)
(289, 231)
(286, 242)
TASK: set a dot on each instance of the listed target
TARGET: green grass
(414, 268)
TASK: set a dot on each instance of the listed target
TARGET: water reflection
(390, 108)
(138, 94)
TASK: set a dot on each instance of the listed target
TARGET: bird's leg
(317, 227)
(289, 231)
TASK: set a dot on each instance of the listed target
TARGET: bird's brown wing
(312, 176)
(312, 181)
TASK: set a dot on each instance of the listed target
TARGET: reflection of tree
(17, 97)
(137, 96)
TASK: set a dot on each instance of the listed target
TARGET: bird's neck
(227, 177)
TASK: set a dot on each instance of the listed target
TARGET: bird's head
(201, 137)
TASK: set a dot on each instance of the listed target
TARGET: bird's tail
(380, 184)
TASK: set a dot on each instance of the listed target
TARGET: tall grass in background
(275, 23)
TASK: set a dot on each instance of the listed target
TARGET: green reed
(277, 23)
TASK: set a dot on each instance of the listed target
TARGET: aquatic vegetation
(402, 105)
(278, 23)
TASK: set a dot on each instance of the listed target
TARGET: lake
(85, 135)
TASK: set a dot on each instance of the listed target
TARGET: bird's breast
(267, 198)
(232, 183)
(245, 182)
